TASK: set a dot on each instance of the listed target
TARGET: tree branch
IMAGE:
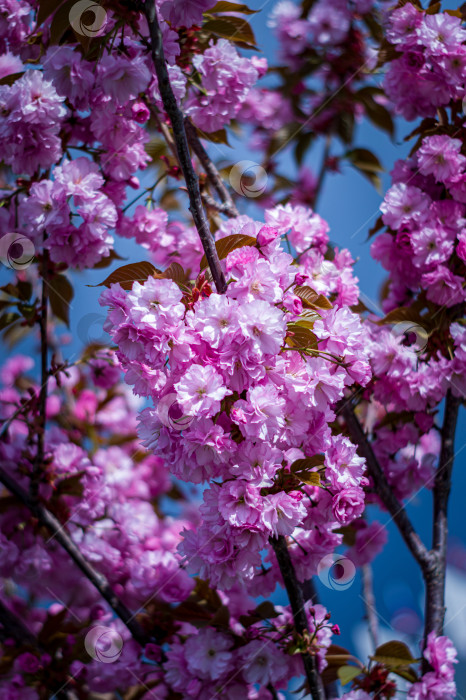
(212, 173)
(435, 581)
(322, 171)
(384, 491)
(369, 604)
(221, 207)
(44, 375)
(200, 220)
(16, 629)
(98, 580)
(182, 148)
(296, 599)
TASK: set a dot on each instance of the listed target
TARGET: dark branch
(44, 375)
(435, 581)
(295, 596)
(221, 207)
(58, 533)
(14, 628)
(384, 491)
(212, 173)
(182, 148)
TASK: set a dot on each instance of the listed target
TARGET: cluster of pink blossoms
(107, 497)
(70, 105)
(432, 67)
(254, 404)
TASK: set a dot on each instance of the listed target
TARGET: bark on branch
(295, 596)
(212, 173)
(44, 375)
(384, 491)
(14, 627)
(100, 583)
(435, 581)
(184, 157)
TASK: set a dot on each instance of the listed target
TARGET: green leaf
(52, 626)
(8, 318)
(302, 144)
(232, 7)
(402, 313)
(408, 673)
(302, 337)
(349, 535)
(393, 654)
(348, 673)
(311, 299)
(345, 126)
(303, 469)
(192, 612)
(10, 79)
(105, 262)
(264, 611)
(336, 657)
(60, 295)
(155, 148)
(377, 113)
(47, 8)
(70, 486)
(373, 26)
(174, 272)
(233, 28)
(378, 226)
(61, 22)
(225, 245)
(368, 163)
(387, 52)
(128, 274)
(219, 136)
(221, 617)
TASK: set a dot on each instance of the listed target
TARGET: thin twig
(182, 148)
(369, 603)
(322, 171)
(57, 531)
(435, 581)
(14, 627)
(221, 207)
(297, 603)
(210, 169)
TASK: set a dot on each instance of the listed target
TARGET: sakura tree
(228, 434)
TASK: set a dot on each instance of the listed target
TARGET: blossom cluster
(432, 67)
(106, 498)
(255, 403)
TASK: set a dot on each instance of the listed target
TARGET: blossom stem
(184, 157)
(56, 529)
(435, 580)
(297, 603)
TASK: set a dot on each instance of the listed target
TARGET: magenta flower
(200, 391)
